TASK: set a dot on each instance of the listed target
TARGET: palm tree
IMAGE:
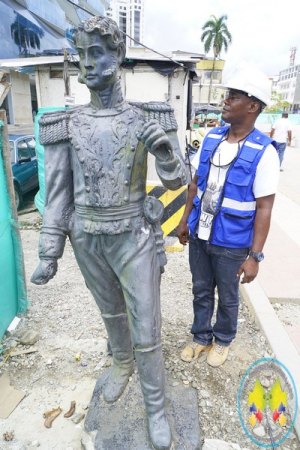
(25, 35)
(216, 36)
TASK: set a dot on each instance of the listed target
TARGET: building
(37, 28)
(201, 87)
(288, 85)
(30, 28)
(129, 15)
(145, 77)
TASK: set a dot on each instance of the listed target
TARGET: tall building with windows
(288, 85)
(129, 15)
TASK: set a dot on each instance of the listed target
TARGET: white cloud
(263, 31)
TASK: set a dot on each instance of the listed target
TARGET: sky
(263, 31)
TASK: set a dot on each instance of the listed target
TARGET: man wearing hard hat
(228, 210)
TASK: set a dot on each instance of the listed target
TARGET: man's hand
(46, 270)
(250, 269)
(183, 232)
(155, 140)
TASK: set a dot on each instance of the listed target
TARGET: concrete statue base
(123, 424)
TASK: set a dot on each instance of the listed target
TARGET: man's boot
(152, 377)
(117, 328)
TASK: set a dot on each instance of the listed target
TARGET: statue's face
(98, 63)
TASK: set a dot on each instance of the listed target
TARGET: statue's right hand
(46, 270)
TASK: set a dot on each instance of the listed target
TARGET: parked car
(24, 165)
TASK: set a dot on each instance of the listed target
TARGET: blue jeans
(281, 146)
(214, 266)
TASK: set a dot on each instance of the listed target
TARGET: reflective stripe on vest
(241, 206)
(199, 193)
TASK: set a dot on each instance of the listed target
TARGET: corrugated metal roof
(16, 63)
(29, 62)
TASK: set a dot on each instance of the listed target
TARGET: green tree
(216, 36)
(278, 103)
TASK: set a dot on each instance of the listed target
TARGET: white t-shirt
(265, 182)
(281, 127)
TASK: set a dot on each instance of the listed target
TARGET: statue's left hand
(155, 140)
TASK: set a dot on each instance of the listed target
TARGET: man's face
(98, 63)
(236, 107)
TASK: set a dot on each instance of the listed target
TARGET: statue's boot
(117, 328)
(152, 377)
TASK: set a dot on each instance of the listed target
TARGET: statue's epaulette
(53, 127)
(162, 112)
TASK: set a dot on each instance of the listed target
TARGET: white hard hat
(251, 80)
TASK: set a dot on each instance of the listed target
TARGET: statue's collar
(109, 101)
(106, 112)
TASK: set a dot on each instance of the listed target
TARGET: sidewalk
(278, 280)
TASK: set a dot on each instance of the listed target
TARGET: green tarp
(13, 296)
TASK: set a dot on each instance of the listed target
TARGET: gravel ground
(71, 353)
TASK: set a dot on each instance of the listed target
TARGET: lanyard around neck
(221, 166)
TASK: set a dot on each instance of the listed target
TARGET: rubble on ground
(70, 344)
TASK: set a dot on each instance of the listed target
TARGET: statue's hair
(104, 26)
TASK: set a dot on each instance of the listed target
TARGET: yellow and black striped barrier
(174, 203)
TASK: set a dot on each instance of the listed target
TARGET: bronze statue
(95, 176)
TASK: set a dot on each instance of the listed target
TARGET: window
(216, 75)
(97, 5)
(137, 25)
(31, 145)
(122, 24)
(49, 12)
(23, 150)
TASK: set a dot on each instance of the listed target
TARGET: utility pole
(200, 87)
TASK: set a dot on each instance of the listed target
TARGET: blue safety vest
(233, 221)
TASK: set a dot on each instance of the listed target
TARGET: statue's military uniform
(95, 176)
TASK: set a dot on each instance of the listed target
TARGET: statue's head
(101, 51)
